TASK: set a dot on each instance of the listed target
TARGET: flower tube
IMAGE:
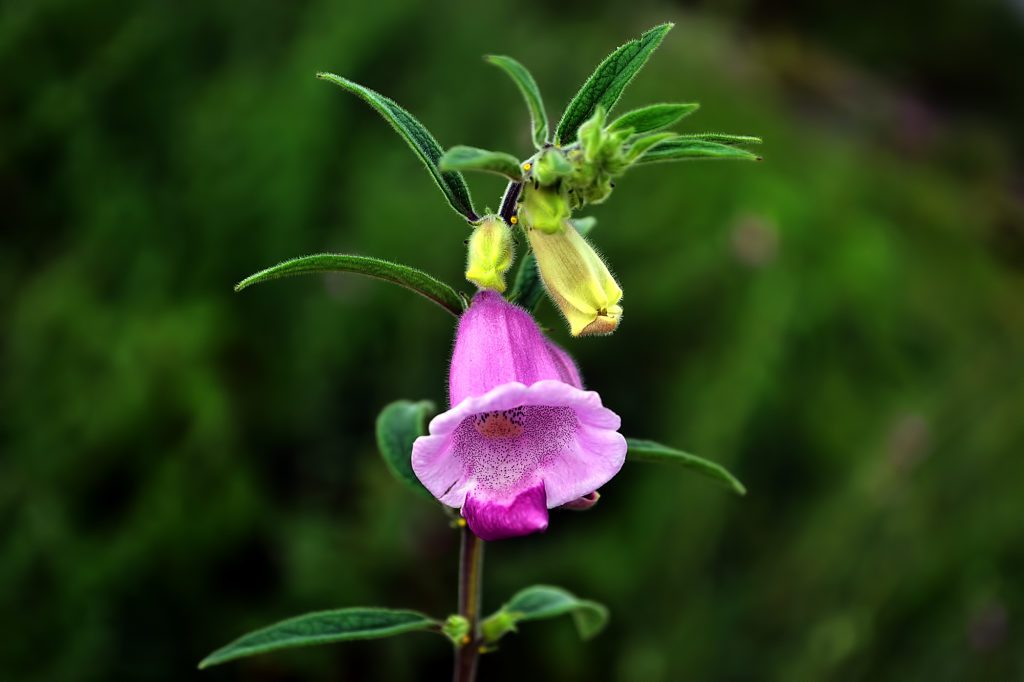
(522, 435)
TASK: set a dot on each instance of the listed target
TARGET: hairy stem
(471, 561)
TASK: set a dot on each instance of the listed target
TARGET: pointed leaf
(649, 451)
(324, 627)
(462, 158)
(418, 138)
(682, 149)
(398, 425)
(539, 602)
(653, 117)
(605, 85)
(531, 94)
(410, 278)
(527, 289)
(723, 138)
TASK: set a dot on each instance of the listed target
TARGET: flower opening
(522, 435)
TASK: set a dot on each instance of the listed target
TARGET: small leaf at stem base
(539, 602)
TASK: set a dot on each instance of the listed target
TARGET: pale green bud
(456, 628)
(490, 254)
(577, 280)
(592, 135)
(550, 167)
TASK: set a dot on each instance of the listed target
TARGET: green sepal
(398, 425)
(419, 139)
(649, 451)
(463, 158)
(527, 290)
(605, 85)
(653, 117)
(410, 278)
(530, 92)
(544, 208)
(682, 148)
(539, 602)
(323, 627)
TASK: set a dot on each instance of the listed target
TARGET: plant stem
(471, 562)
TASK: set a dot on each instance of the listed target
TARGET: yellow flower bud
(490, 254)
(577, 280)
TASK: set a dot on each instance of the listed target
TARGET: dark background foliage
(841, 325)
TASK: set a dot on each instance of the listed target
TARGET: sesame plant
(521, 434)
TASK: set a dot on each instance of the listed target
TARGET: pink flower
(522, 436)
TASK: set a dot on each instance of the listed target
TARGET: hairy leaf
(398, 425)
(605, 85)
(641, 144)
(682, 149)
(324, 627)
(723, 138)
(410, 278)
(462, 158)
(527, 289)
(531, 94)
(649, 451)
(539, 602)
(653, 117)
(451, 183)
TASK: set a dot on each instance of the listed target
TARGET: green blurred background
(841, 325)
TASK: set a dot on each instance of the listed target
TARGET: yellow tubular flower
(490, 254)
(577, 280)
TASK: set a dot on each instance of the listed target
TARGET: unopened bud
(456, 628)
(550, 167)
(490, 254)
(577, 280)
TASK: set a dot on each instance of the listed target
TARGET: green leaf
(398, 425)
(531, 94)
(418, 138)
(462, 158)
(605, 85)
(653, 117)
(539, 602)
(682, 149)
(527, 289)
(649, 451)
(722, 138)
(410, 278)
(324, 627)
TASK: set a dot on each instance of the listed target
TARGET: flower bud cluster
(557, 181)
